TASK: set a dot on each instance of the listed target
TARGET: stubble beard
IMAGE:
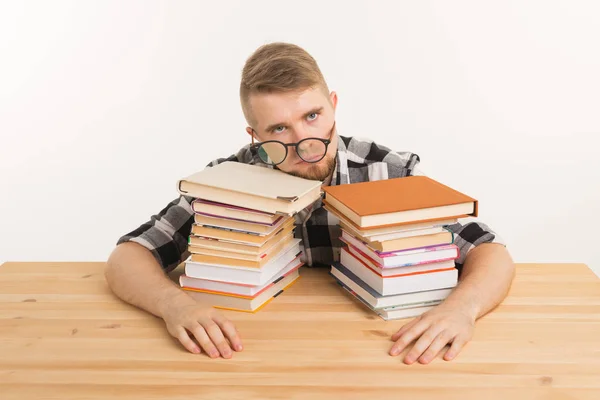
(319, 171)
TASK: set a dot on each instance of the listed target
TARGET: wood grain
(64, 335)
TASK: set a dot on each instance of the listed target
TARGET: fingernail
(196, 350)
(238, 347)
(394, 352)
(214, 354)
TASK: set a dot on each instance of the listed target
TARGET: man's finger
(404, 328)
(407, 337)
(230, 331)
(457, 344)
(216, 336)
(186, 341)
(438, 344)
(422, 344)
(204, 341)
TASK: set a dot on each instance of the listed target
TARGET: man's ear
(250, 131)
(334, 99)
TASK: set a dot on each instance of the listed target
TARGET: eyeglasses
(274, 152)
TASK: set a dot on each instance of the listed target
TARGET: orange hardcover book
(399, 201)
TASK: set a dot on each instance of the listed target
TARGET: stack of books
(398, 256)
(242, 247)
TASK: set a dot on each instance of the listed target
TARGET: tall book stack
(398, 257)
(242, 247)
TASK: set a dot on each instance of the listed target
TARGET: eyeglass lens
(309, 150)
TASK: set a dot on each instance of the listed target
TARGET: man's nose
(301, 132)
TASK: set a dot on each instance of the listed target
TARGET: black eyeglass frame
(326, 142)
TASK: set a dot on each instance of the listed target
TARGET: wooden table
(64, 335)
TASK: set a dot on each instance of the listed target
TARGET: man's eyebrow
(314, 110)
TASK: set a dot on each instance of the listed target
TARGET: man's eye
(312, 116)
(279, 129)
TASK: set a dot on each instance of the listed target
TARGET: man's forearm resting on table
(135, 276)
(485, 279)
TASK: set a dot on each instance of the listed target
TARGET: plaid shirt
(357, 160)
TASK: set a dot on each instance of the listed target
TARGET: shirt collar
(340, 172)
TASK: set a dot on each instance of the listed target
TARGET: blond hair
(279, 67)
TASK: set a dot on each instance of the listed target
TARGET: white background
(105, 104)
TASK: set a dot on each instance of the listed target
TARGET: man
(285, 98)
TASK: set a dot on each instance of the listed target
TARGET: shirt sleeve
(166, 233)
(468, 233)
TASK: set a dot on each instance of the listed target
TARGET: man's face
(292, 116)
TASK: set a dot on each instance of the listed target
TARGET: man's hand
(484, 282)
(186, 319)
(433, 330)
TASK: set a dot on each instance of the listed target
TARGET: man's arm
(486, 273)
(485, 280)
(134, 275)
(132, 267)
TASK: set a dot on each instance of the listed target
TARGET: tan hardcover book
(239, 237)
(394, 235)
(197, 243)
(404, 200)
(260, 258)
(238, 225)
(227, 211)
(251, 186)
(408, 243)
(236, 262)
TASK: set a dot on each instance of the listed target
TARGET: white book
(399, 284)
(376, 300)
(240, 275)
(393, 314)
(234, 288)
(404, 313)
(250, 304)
